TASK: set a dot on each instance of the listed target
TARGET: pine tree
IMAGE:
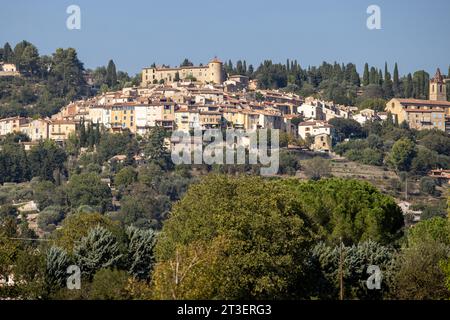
(111, 74)
(99, 249)
(57, 262)
(244, 67)
(140, 252)
(366, 78)
(396, 82)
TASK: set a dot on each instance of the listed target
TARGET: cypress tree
(366, 80)
(111, 74)
(83, 137)
(373, 77)
(250, 70)
(8, 55)
(97, 133)
(387, 84)
(380, 78)
(230, 66)
(408, 89)
(90, 135)
(396, 82)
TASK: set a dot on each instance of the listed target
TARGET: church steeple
(438, 89)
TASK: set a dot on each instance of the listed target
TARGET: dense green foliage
(256, 235)
(397, 147)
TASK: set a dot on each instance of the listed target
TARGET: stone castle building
(213, 72)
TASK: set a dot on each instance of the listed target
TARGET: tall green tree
(8, 54)
(373, 76)
(366, 77)
(420, 84)
(111, 74)
(387, 83)
(418, 272)
(396, 82)
(47, 160)
(234, 238)
(408, 86)
(88, 189)
(355, 211)
(402, 153)
(155, 148)
(26, 57)
(14, 164)
(66, 76)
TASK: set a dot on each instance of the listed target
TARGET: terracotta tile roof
(424, 102)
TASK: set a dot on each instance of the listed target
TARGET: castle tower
(438, 89)
(216, 73)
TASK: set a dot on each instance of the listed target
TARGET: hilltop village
(87, 177)
(204, 97)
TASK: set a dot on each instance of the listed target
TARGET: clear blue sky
(136, 33)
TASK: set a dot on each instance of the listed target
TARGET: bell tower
(438, 89)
